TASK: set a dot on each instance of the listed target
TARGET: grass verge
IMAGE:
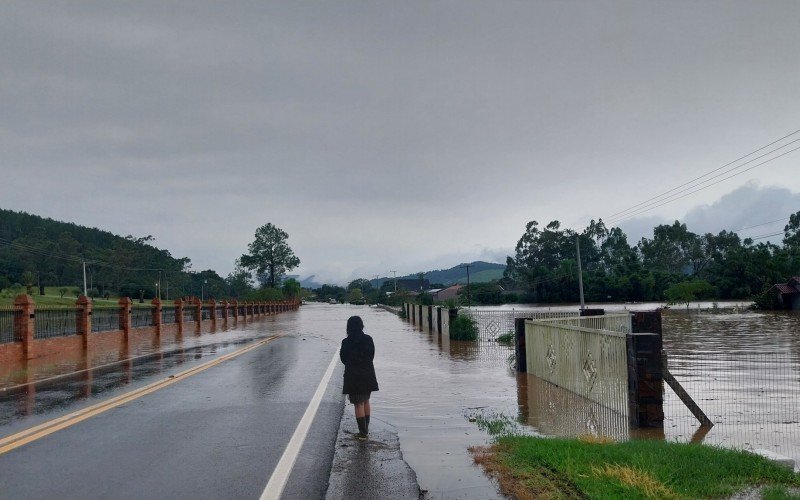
(531, 467)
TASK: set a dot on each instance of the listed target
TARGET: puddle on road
(58, 386)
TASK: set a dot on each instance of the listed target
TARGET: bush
(464, 328)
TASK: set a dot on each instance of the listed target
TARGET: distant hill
(44, 252)
(479, 272)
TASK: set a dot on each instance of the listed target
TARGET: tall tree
(270, 254)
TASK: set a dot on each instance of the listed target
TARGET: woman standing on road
(357, 353)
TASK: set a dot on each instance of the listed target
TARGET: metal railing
(189, 314)
(7, 324)
(590, 362)
(55, 323)
(105, 319)
(141, 317)
(168, 316)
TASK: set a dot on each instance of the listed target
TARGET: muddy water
(741, 367)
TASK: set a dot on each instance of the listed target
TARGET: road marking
(22, 438)
(281, 473)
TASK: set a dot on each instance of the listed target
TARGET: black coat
(357, 353)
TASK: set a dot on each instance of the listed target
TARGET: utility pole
(580, 270)
(469, 298)
(84, 278)
(394, 273)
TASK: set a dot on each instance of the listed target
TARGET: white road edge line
(284, 468)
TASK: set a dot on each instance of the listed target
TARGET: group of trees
(676, 264)
(37, 252)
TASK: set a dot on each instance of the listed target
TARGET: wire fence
(753, 398)
(105, 319)
(6, 324)
(55, 323)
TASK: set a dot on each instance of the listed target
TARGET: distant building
(413, 284)
(789, 293)
(447, 293)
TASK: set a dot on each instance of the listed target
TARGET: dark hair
(354, 325)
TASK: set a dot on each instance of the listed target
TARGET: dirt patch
(530, 482)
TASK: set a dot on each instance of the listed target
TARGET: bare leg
(367, 409)
(360, 409)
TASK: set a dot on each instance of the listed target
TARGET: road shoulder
(370, 469)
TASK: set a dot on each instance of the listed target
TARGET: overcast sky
(391, 135)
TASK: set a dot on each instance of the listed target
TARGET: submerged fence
(585, 355)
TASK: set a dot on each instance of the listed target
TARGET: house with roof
(789, 293)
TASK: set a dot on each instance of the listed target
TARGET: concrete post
(438, 320)
(225, 306)
(235, 305)
(156, 312)
(24, 324)
(125, 315)
(83, 319)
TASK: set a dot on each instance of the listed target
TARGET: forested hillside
(37, 252)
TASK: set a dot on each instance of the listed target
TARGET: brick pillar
(235, 305)
(645, 380)
(212, 311)
(225, 306)
(125, 316)
(519, 345)
(24, 324)
(156, 312)
(198, 311)
(83, 318)
(179, 314)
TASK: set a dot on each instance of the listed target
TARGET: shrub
(464, 328)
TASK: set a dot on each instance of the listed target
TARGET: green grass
(506, 338)
(635, 469)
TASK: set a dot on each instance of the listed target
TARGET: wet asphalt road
(216, 434)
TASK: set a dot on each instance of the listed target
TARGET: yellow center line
(22, 438)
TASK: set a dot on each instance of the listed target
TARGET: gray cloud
(381, 135)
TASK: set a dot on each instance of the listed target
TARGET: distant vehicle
(333, 301)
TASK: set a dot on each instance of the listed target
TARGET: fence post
(439, 320)
(83, 318)
(519, 346)
(125, 316)
(25, 324)
(156, 315)
(225, 306)
(235, 305)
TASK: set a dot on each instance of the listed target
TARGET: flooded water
(742, 368)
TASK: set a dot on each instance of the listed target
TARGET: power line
(715, 170)
(667, 201)
(784, 219)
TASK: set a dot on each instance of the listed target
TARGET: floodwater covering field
(742, 367)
